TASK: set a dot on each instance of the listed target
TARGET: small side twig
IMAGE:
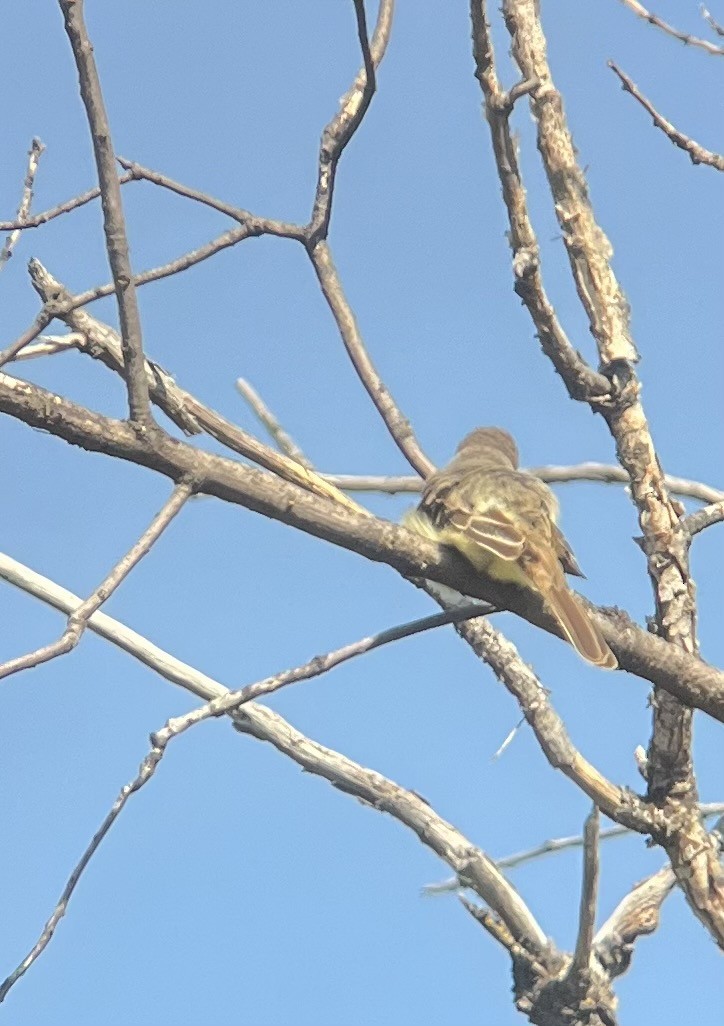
(62, 208)
(34, 154)
(697, 153)
(683, 37)
(352, 109)
(703, 518)
(261, 225)
(635, 916)
(284, 441)
(603, 472)
(711, 21)
(78, 619)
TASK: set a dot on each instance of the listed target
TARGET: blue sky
(235, 889)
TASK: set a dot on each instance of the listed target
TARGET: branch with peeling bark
(665, 542)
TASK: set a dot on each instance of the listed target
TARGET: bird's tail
(579, 628)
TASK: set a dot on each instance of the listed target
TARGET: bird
(502, 520)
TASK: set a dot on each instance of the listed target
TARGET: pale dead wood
(635, 916)
(34, 154)
(711, 21)
(469, 861)
(706, 517)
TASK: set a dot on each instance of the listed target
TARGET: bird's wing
(453, 504)
(565, 555)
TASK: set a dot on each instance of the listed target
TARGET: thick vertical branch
(672, 783)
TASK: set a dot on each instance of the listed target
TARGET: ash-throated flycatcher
(503, 521)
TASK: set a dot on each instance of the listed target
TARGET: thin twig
(335, 137)
(618, 803)
(579, 969)
(78, 619)
(470, 862)
(352, 109)
(261, 225)
(395, 421)
(553, 846)
(34, 154)
(62, 208)
(283, 440)
(683, 37)
(41, 322)
(318, 665)
(603, 472)
(113, 219)
(580, 380)
(698, 154)
(55, 308)
(101, 342)
(711, 21)
(146, 771)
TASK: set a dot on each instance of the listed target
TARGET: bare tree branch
(603, 472)
(579, 972)
(352, 109)
(34, 154)
(259, 225)
(552, 847)
(634, 917)
(698, 154)
(618, 803)
(49, 345)
(62, 208)
(671, 778)
(335, 137)
(397, 424)
(78, 619)
(227, 703)
(711, 22)
(101, 342)
(284, 441)
(706, 517)
(581, 381)
(643, 654)
(113, 220)
(683, 37)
